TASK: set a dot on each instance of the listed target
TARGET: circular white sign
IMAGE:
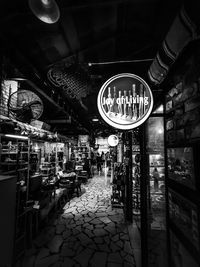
(125, 101)
(113, 140)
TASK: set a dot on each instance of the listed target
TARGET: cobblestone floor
(89, 233)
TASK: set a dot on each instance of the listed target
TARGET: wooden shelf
(13, 163)
(8, 153)
(156, 166)
(14, 152)
(47, 169)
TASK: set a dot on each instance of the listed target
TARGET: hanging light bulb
(45, 10)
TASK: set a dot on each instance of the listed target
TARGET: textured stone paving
(89, 233)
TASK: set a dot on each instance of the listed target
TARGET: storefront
(99, 160)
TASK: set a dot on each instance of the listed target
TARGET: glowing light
(113, 140)
(160, 130)
(16, 136)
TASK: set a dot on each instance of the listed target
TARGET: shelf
(47, 168)
(22, 169)
(13, 163)
(14, 153)
(8, 153)
(155, 152)
(156, 166)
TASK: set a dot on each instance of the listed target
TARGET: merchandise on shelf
(182, 150)
(118, 187)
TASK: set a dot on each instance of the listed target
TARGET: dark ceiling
(115, 36)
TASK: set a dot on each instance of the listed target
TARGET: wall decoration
(125, 101)
(181, 165)
(184, 214)
(7, 88)
(73, 80)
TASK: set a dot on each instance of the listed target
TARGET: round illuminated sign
(113, 140)
(125, 101)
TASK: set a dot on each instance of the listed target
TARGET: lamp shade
(45, 10)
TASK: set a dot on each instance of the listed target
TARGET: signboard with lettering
(113, 140)
(125, 101)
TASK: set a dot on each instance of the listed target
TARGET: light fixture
(16, 136)
(45, 10)
(160, 130)
(17, 79)
(15, 74)
(113, 140)
(95, 119)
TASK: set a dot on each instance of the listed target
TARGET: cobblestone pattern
(89, 233)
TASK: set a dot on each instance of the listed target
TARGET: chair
(71, 183)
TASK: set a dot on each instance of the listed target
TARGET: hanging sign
(125, 101)
(113, 140)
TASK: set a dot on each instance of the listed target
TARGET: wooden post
(143, 196)
(128, 178)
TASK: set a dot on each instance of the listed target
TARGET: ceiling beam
(94, 46)
(48, 98)
(104, 3)
(34, 77)
(59, 121)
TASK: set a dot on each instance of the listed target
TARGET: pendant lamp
(45, 10)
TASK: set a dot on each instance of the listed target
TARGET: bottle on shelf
(130, 110)
(134, 98)
(125, 106)
(141, 101)
(120, 104)
(109, 105)
(114, 107)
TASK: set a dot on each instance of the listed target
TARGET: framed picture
(180, 166)
(184, 215)
(180, 256)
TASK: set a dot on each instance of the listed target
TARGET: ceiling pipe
(104, 3)
(183, 30)
(119, 62)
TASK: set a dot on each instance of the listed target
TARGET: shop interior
(76, 191)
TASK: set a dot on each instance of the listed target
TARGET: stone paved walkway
(89, 233)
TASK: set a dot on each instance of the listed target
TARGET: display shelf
(80, 153)
(14, 163)
(182, 158)
(8, 152)
(118, 186)
(14, 159)
(7, 222)
(136, 200)
(156, 166)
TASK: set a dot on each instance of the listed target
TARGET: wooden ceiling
(114, 35)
